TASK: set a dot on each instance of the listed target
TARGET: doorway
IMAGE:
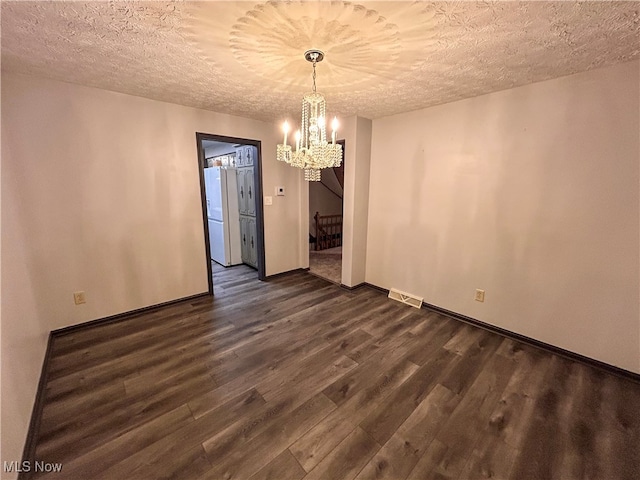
(325, 223)
(230, 171)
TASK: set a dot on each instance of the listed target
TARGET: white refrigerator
(221, 189)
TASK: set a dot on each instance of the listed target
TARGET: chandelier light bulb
(334, 127)
(297, 140)
(285, 127)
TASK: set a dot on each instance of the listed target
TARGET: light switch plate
(268, 200)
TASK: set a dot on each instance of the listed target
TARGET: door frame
(259, 206)
(342, 142)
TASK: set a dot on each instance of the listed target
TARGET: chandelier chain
(314, 75)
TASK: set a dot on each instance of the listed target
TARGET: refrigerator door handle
(241, 192)
(249, 193)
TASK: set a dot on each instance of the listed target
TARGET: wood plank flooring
(296, 378)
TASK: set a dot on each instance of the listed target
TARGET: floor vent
(407, 298)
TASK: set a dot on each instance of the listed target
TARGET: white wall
(1, 390)
(357, 134)
(530, 194)
(100, 192)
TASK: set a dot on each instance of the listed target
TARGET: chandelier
(313, 152)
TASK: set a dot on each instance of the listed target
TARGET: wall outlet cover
(79, 298)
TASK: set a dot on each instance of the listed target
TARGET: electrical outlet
(479, 296)
(279, 191)
(78, 298)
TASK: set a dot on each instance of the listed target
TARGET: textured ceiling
(382, 58)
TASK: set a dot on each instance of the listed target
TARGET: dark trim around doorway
(259, 206)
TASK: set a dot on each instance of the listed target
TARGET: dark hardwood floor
(297, 378)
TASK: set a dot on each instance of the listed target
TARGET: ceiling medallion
(313, 152)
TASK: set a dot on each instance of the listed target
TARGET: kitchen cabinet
(245, 160)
